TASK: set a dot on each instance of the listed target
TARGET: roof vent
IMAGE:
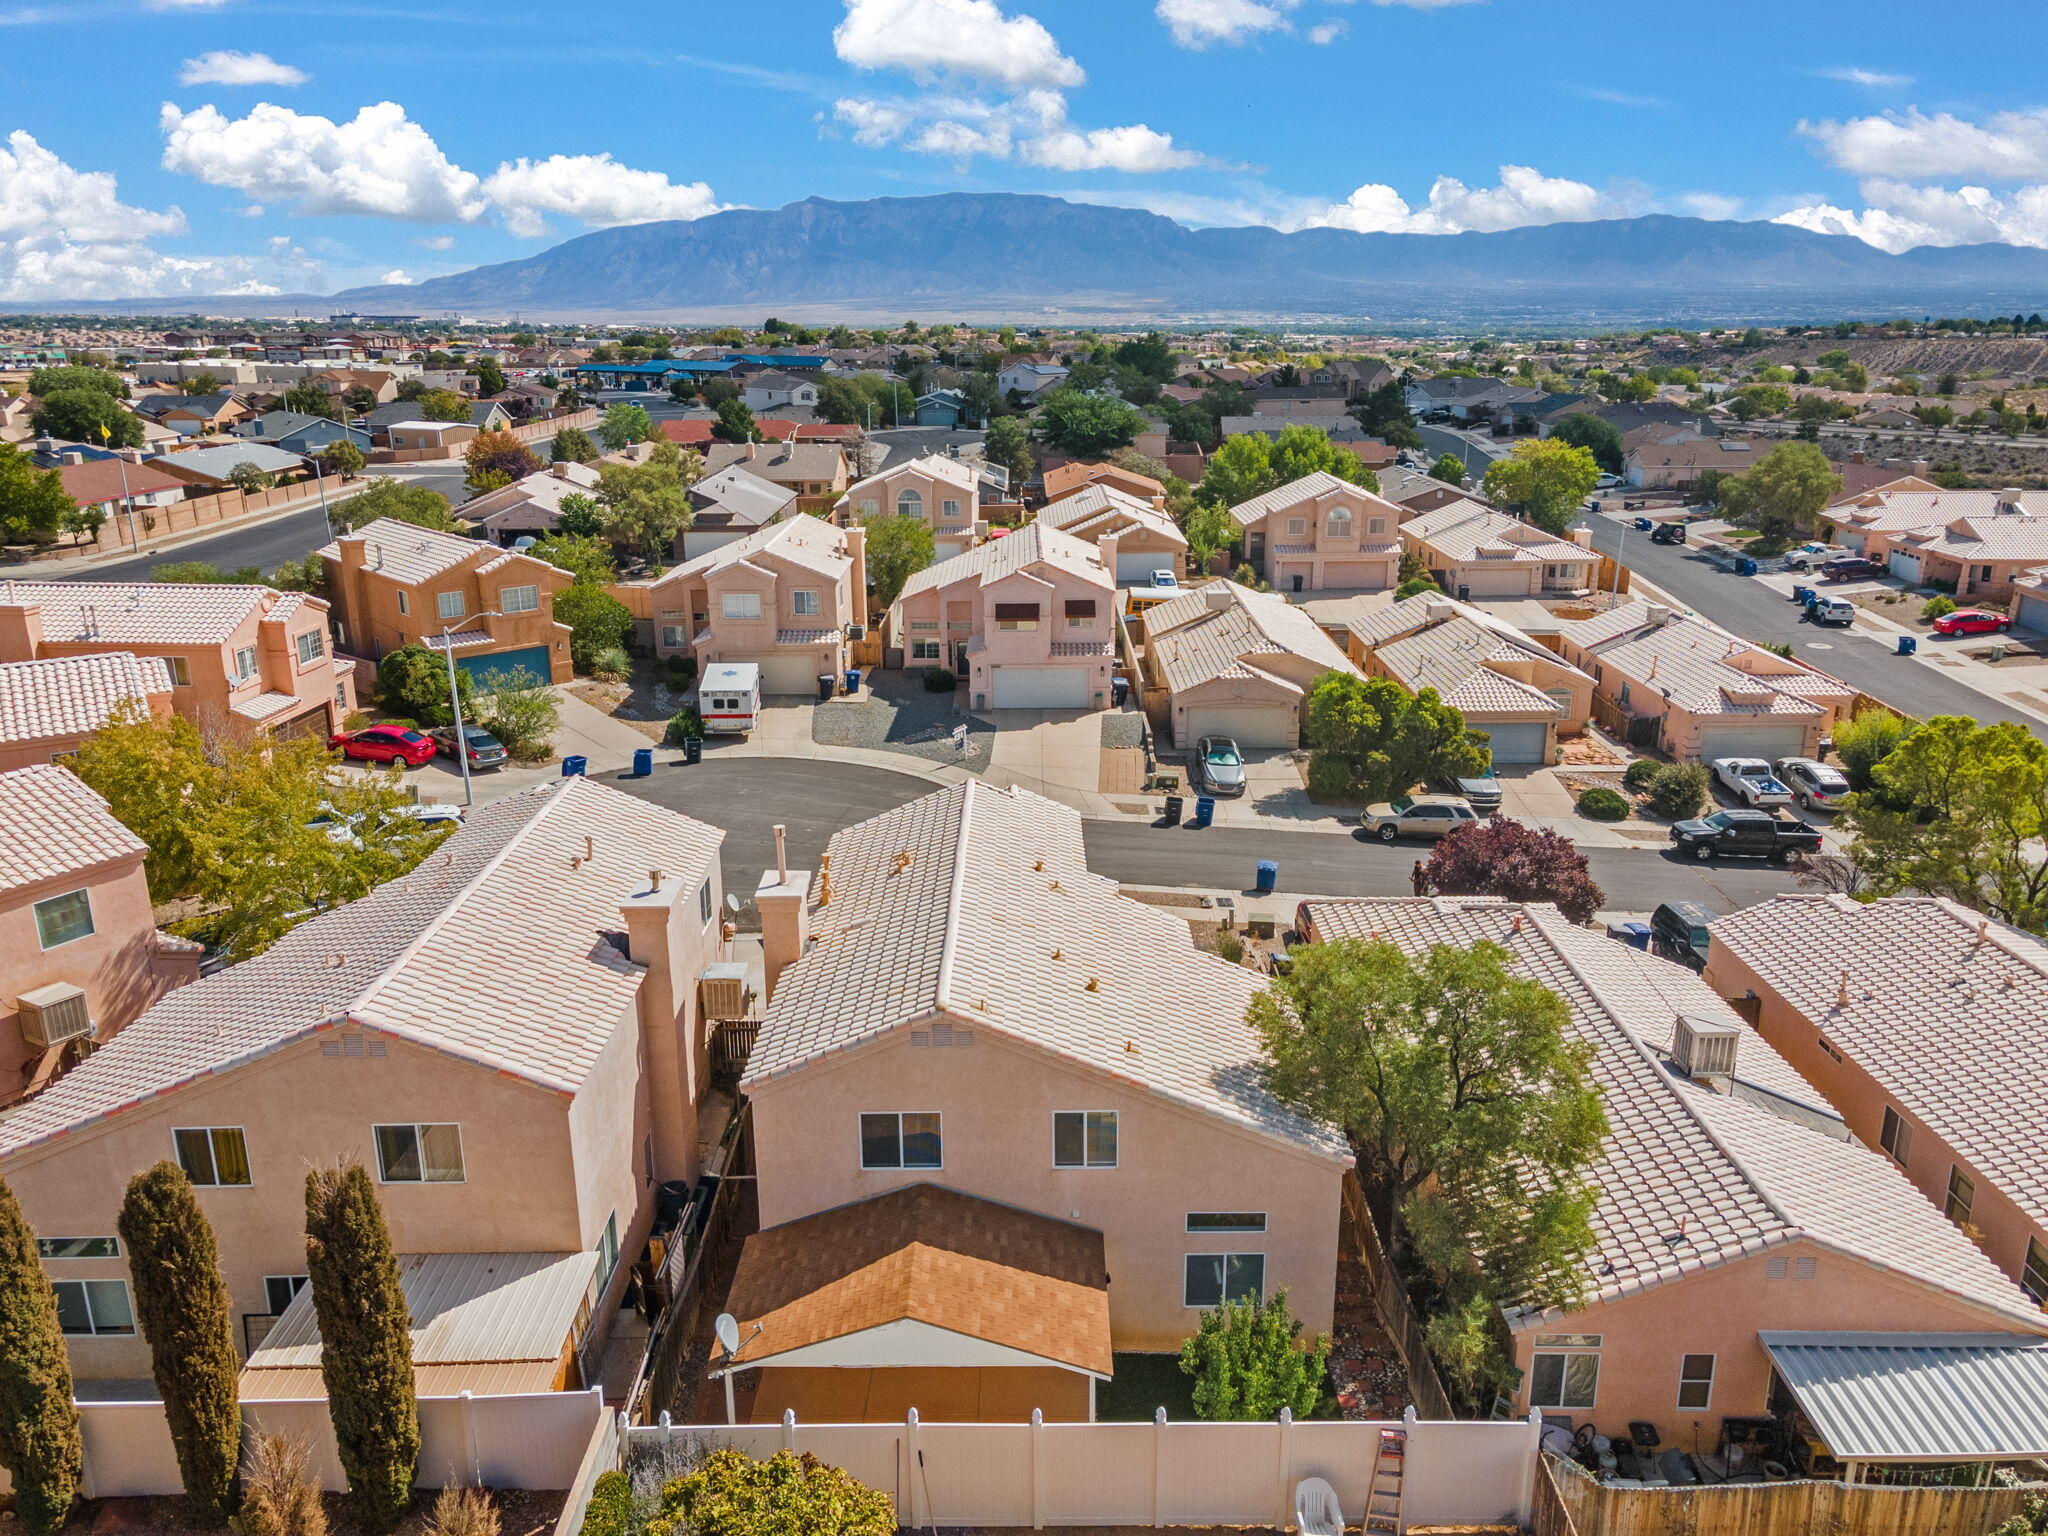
(1704, 1048)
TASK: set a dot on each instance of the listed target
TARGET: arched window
(910, 504)
(1340, 523)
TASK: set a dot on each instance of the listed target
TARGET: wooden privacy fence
(1039, 1474)
(1579, 1505)
(1395, 1310)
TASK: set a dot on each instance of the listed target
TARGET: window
(906, 1140)
(910, 504)
(312, 646)
(245, 663)
(94, 1306)
(740, 605)
(2034, 1273)
(607, 1253)
(78, 1248)
(1896, 1137)
(449, 605)
(181, 671)
(404, 603)
(1827, 1048)
(1565, 1378)
(278, 1291)
(1084, 1138)
(60, 919)
(803, 601)
(1624, 696)
(1696, 1382)
(1080, 612)
(1339, 525)
(419, 1154)
(1962, 1194)
(213, 1155)
(674, 638)
(952, 510)
(518, 599)
(1016, 616)
(924, 650)
(1297, 526)
(924, 624)
(704, 902)
(1211, 1279)
(1376, 527)
(1226, 1221)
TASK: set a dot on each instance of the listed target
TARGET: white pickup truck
(1811, 557)
(1751, 781)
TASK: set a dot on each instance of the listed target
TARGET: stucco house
(981, 1062)
(47, 708)
(1025, 620)
(1415, 493)
(1676, 464)
(114, 485)
(808, 467)
(775, 390)
(195, 415)
(1029, 379)
(395, 584)
(1147, 540)
(213, 469)
(420, 436)
(1974, 544)
(784, 597)
(943, 491)
(508, 1038)
(730, 505)
(1322, 534)
(531, 506)
(1474, 551)
(1223, 660)
(1062, 480)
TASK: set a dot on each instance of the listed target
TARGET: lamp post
(455, 704)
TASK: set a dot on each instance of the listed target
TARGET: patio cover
(924, 1276)
(1919, 1396)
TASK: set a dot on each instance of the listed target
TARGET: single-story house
(1223, 660)
(1474, 551)
(209, 469)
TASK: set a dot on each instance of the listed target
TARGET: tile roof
(1452, 657)
(808, 541)
(780, 462)
(1883, 511)
(71, 695)
(1953, 1028)
(747, 499)
(1691, 662)
(2005, 536)
(1200, 638)
(218, 463)
(1691, 1178)
(1096, 509)
(55, 827)
(495, 950)
(1307, 488)
(138, 612)
(94, 481)
(408, 553)
(532, 501)
(978, 904)
(1035, 543)
(268, 706)
(939, 466)
(1399, 485)
(1465, 530)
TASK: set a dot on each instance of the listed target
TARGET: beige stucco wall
(964, 611)
(883, 496)
(367, 613)
(1297, 541)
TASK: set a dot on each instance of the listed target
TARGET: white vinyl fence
(1039, 1474)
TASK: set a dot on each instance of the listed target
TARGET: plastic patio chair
(1316, 1511)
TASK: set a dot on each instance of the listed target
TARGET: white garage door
(1249, 725)
(1769, 742)
(1041, 688)
(1515, 741)
(1505, 581)
(1904, 566)
(1137, 568)
(786, 674)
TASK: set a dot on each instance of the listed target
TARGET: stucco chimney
(1856, 457)
(1662, 613)
(753, 448)
(660, 918)
(1437, 609)
(1583, 537)
(21, 628)
(782, 898)
(1105, 545)
(1218, 597)
(1920, 467)
(857, 551)
(2009, 498)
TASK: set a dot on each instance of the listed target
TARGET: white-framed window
(245, 663)
(704, 902)
(1084, 1138)
(181, 671)
(94, 1306)
(78, 1247)
(518, 599)
(404, 602)
(419, 1154)
(1297, 526)
(1226, 1221)
(924, 650)
(1211, 1279)
(213, 1156)
(1962, 1194)
(909, 504)
(803, 601)
(1339, 524)
(312, 646)
(1564, 1370)
(278, 1291)
(607, 1253)
(61, 919)
(1695, 1382)
(923, 624)
(1895, 1136)
(450, 605)
(952, 510)
(674, 638)
(739, 605)
(900, 1139)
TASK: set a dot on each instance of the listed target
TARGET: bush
(682, 671)
(1414, 588)
(279, 1497)
(731, 1494)
(940, 680)
(611, 665)
(1249, 1361)
(1642, 773)
(412, 681)
(521, 711)
(1603, 805)
(1230, 947)
(684, 724)
(597, 621)
(462, 1511)
(1868, 740)
(1930, 610)
(1679, 791)
(611, 1506)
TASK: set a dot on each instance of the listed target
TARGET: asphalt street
(1437, 442)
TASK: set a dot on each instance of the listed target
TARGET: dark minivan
(1678, 931)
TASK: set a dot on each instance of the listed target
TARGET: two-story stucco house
(1025, 620)
(1322, 534)
(1147, 539)
(1474, 551)
(47, 708)
(943, 491)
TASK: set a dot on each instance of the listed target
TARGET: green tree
(490, 378)
(1548, 480)
(1448, 467)
(898, 547)
(1599, 437)
(735, 423)
(1867, 740)
(1384, 413)
(1782, 492)
(645, 506)
(597, 622)
(587, 559)
(1370, 739)
(1008, 443)
(1086, 425)
(341, 457)
(1252, 464)
(308, 573)
(572, 445)
(582, 517)
(34, 506)
(520, 709)
(730, 1494)
(183, 1307)
(309, 400)
(366, 1342)
(1210, 529)
(443, 405)
(86, 416)
(45, 382)
(623, 425)
(398, 501)
(249, 478)
(412, 683)
(40, 1442)
(205, 382)
(1248, 1361)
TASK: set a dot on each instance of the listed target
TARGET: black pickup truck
(1744, 835)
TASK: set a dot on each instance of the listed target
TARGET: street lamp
(455, 703)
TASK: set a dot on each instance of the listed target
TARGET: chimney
(661, 930)
(1438, 609)
(2009, 498)
(1583, 537)
(857, 551)
(21, 627)
(1106, 544)
(1218, 597)
(1159, 502)
(1920, 467)
(1704, 1049)
(782, 900)
(753, 448)
(1856, 457)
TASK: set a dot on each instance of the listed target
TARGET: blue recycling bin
(1908, 644)
(643, 762)
(1205, 810)
(572, 767)
(1642, 525)
(1802, 595)
(1269, 875)
(1745, 566)
(1635, 935)
(853, 679)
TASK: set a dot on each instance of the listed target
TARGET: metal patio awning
(1919, 1396)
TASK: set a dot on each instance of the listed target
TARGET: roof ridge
(942, 988)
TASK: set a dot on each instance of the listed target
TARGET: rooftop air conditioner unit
(53, 1014)
(723, 991)
(1704, 1047)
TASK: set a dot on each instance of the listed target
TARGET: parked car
(1813, 784)
(1429, 816)
(1678, 931)
(1744, 835)
(1750, 780)
(1850, 568)
(1668, 533)
(1830, 610)
(485, 750)
(346, 827)
(385, 744)
(1972, 621)
(1809, 557)
(1481, 791)
(1219, 766)
(1608, 482)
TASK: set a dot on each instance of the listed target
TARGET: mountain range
(1007, 255)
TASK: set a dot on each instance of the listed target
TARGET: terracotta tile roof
(1096, 509)
(1452, 657)
(268, 706)
(1033, 544)
(977, 903)
(1195, 642)
(1895, 511)
(807, 541)
(138, 612)
(1465, 530)
(1954, 1029)
(495, 950)
(70, 695)
(1307, 488)
(928, 1255)
(1691, 662)
(1691, 1178)
(55, 827)
(2006, 536)
(406, 552)
(938, 466)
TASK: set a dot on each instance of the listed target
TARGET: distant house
(1320, 534)
(1064, 479)
(1467, 399)
(730, 505)
(1029, 379)
(1415, 492)
(775, 390)
(943, 491)
(1358, 375)
(211, 469)
(1237, 663)
(113, 483)
(808, 468)
(295, 432)
(418, 435)
(1137, 537)
(1679, 463)
(195, 415)
(530, 506)
(940, 408)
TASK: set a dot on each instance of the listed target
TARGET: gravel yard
(897, 715)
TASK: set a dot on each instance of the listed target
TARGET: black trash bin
(826, 683)
(1174, 807)
(693, 749)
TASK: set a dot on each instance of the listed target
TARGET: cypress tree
(40, 1444)
(182, 1304)
(366, 1341)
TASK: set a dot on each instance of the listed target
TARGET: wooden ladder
(1383, 1499)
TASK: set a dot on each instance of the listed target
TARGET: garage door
(1361, 574)
(1769, 742)
(1041, 688)
(1249, 725)
(1138, 567)
(786, 674)
(1505, 581)
(534, 659)
(1904, 566)
(1515, 741)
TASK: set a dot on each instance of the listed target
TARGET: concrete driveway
(1052, 752)
(1273, 791)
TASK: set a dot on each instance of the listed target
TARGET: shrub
(611, 665)
(597, 621)
(731, 1494)
(684, 724)
(40, 1443)
(278, 1497)
(611, 1506)
(1603, 805)
(1501, 857)
(1679, 791)
(1230, 947)
(412, 681)
(461, 1511)
(682, 671)
(1249, 1362)
(1642, 773)
(1868, 740)
(1930, 610)
(1414, 588)
(521, 711)
(940, 680)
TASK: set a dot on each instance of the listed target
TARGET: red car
(1971, 621)
(385, 744)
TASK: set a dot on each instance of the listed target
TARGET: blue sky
(167, 146)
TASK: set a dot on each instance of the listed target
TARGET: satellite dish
(733, 904)
(727, 1327)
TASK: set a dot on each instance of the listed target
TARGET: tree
(1370, 739)
(86, 416)
(1448, 467)
(1252, 464)
(597, 622)
(490, 378)
(1249, 1361)
(1507, 859)
(1210, 529)
(308, 573)
(204, 382)
(1867, 740)
(309, 400)
(183, 1307)
(341, 457)
(34, 506)
(45, 382)
(520, 709)
(729, 1493)
(572, 445)
(1781, 491)
(1546, 479)
(398, 501)
(359, 398)
(581, 517)
(1086, 425)
(249, 478)
(645, 506)
(1595, 434)
(735, 423)
(1008, 443)
(623, 425)
(40, 1442)
(1384, 413)
(366, 1343)
(587, 559)
(898, 547)
(443, 405)
(682, 391)
(412, 683)
(498, 453)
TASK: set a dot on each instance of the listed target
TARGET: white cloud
(1916, 145)
(595, 189)
(1524, 196)
(1876, 79)
(1900, 216)
(1710, 205)
(379, 163)
(1614, 98)
(932, 38)
(1136, 148)
(395, 275)
(1031, 127)
(1324, 33)
(224, 66)
(874, 124)
(435, 242)
(1201, 23)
